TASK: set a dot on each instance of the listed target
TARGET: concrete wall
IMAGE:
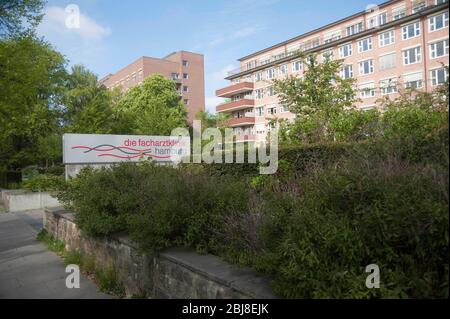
(175, 273)
(21, 200)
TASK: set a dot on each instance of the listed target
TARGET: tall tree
(88, 107)
(319, 95)
(153, 108)
(32, 78)
(19, 16)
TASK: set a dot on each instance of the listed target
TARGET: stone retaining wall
(175, 273)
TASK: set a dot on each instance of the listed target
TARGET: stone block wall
(175, 273)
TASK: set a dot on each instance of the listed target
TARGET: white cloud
(54, 21)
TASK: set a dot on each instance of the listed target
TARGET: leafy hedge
(331, 210)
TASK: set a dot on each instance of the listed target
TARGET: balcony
(235, 105)
(240, 121)
(234, 89)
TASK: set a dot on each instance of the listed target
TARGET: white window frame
(433, 48)
(342, 73)
(434, 77)
(387, 54)
(271, 73)
(382, 38)
(350, 50)
(417, 31)
(393, 87)
(371, 67)
(259, 111)
(284, 69)
(432, 21)
(361, 45)
(405, 83)
(365, 88)
(407, 56)
(297, 66)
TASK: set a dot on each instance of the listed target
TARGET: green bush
(313, 227)
(358, 213)
(42, 183)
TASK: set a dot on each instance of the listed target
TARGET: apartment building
(185, 68)
(399, 43)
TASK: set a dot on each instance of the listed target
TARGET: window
(284, 108)
(438, 22)
(419, 6)
(355, 28)
(185, 88)
(398, 13)
(332, 36)
(365, 45)
(366, 67)
(185, 62)
(265, 60)
(284, 69)
(367, 90)
(439, 76)
(258, 76)
(347, 71)
(438, 2)
(186, 102)
(413, 80)
(386, 38)
(387, 61)
(260, 111)
(377, 20)
(388, 86)
(259, 94)
(185, 76)
(439, 49)
(345, 50)
(271, 109)
(270, 91)
(250, 65)
(270, 74)
(260, 129)
(411, 30)
(412, 56)
(296, 66)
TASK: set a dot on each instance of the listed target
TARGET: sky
(114, 33)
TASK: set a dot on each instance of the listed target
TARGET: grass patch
(109, 283)
(53, 244)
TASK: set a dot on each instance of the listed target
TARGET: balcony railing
(234, 89)
(411, 8)
(240, 121)
(235, 105)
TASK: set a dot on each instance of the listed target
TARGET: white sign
(96, 148)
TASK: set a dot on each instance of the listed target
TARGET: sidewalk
(27, 268)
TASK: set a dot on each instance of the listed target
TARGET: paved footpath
(28, 269)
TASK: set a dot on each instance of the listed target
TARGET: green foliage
(162, 207)
(358, 212)
(152, 108)
(317, 97)
(51, 242)
(19, 16)
(109, 283)
(42, 183)
(31, 81)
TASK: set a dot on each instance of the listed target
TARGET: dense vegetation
(331, 210)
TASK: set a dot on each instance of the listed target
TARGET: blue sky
(114, 33)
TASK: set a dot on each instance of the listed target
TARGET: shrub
(355, 214)
(42, 183)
